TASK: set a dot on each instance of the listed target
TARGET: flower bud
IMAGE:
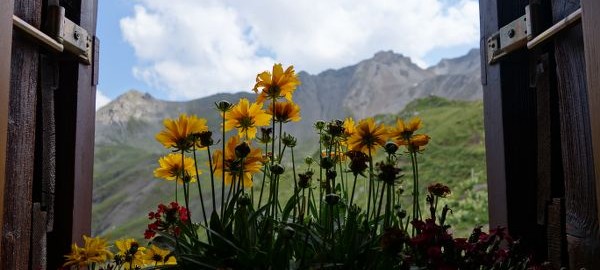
(244, 200)
(401, 213)
(319, 125)
(265, 134)
(277, 169)
(224, 105)
(391, 148)
(332, 198)
(304, 179)
(327, 163)
(242, 150)
(288, 140)
(335, 128)
(205, 139)
(331, 175)
(308, 160)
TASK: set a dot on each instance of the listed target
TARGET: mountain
(126, 151)
(383, 84)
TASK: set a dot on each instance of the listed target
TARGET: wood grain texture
(6, 12)
(591, 42)
(494, 129)
(75, 115)
(579, 176)
(16, 234)
(45, 182)
(85, 129)
(38, 238)
(556, 234)
(544, 136)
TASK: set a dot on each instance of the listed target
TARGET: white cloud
(101, 99)
(193, 48)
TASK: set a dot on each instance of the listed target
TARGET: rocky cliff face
(382, 84)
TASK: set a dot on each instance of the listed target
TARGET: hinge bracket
(65, 35)
(510, 37)
(518, 34)
(74, 37)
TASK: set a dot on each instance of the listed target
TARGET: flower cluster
(166, 219)
(404, 134)
(320, 224)
(94, 251)
(239, 162)
(129, 255)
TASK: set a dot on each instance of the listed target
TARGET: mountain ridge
(382, 84)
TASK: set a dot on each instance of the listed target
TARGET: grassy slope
(124, 189)
(455, 156)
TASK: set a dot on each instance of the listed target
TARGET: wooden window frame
(6, 12)
(591, 42)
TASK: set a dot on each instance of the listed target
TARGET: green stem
(295, 183)
(370, 185)
(353, 188)
(388, 206)
(379, 207)
(320, 172)
(262, 186)
(199, 188)
(223, 168)
(212, 179)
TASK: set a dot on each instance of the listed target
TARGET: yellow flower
(246, 117)
(158, 256)
(405, 130)
(276, 84)
(94, 250)
(349, 130)
(252, 162)
(130, 253)
(349, 127)
(403, 133)
(177, 132)
(367, 136)
(170, 168)
(415, 143)
(285, 111)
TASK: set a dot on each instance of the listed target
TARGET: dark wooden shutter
(49, 130)
(542, 113)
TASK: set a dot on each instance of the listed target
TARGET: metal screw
(76, 35)
(511, 33)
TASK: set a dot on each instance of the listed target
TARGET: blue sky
(184, 49)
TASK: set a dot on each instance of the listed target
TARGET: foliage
(323, 223)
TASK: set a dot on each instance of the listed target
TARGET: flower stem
(262, 186)
(380, 203)
(212, 180)
(223, 168)
(370, 185)
(295, 184)
(353, 188)
(199, 188)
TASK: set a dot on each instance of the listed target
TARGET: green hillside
(455, 156)
(125, 190)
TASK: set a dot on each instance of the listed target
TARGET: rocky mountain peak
(466, 64)
(132, 104)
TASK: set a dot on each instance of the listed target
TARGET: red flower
(166, 219)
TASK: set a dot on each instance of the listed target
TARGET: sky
(186, 49)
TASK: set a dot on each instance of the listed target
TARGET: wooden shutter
(49, 138)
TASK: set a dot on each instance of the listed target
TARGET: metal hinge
(510, 37)
(518, 34)
(64, 34)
